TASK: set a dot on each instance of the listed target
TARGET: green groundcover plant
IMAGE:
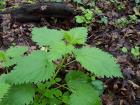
(86, 18)
(49, 76)
(2, 4)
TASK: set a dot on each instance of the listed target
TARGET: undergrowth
(51, 75)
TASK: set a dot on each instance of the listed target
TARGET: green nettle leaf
(32, 68)
(2, 56)
(58, 49)
(76, 35)
(12, 55)
(83, 93)
(10, 62)
(65, 97)
(99, 85)
(19, 95)
(54, 101)
(16, 51)
(4, 88)
(77, 76)
(44, 36)
(98, 62)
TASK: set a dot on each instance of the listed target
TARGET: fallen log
(34, 12)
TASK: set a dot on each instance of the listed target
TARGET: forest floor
(108, 37)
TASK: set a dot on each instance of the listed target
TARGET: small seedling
(133, 19)
(121, 22)
(124, 50)
(120, 6)
(86, 18)
(97, 11)
(104, 20)
(2, 4)
(135, 51)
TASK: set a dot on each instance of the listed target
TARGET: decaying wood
(34, 12)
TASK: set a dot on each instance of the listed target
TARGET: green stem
(60, 66)
(69, 63)
(63, 86)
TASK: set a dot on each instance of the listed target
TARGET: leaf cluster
(86, 18)
(35, 77)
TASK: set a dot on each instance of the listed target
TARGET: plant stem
(69, 62)
(63, 86)
(60, 66)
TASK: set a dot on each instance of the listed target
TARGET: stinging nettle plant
(42, 77)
